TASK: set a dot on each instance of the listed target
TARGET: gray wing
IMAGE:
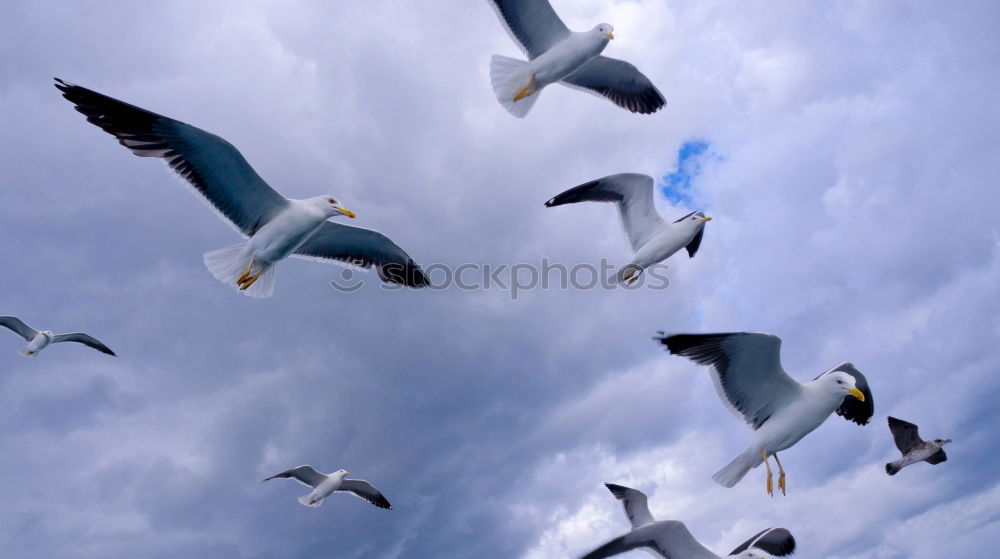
(366, 491)
(363, 248)
(533, 24)
(17, 326)
(905, 434)
(620, 82)
(746, 369)
(305, 475)
(669, 539)
(621, 544)
(937, 457)
(634, 501)
(209, 163)
(632, 193)
(774, 541)
(85, 339)
(853, 409)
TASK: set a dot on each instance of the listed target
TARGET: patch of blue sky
(677, 186)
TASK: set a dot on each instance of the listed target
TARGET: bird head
(331, 207)
(751, 554)
(841, 382)
(693, 221)
(605, 30)
(342, 473)
(941, 442)
(47, 333)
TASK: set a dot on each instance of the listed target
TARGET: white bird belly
(564, 58)
(790, 425)
(38, 343)
(658, 249)
(283, 234)
(323, 490)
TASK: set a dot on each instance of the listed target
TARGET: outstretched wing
(85, 339)
(17, 326)
(533, 24)
(209, 163)
(774, 541)
(366, 491)
(905, 434)
(853, 409)
(636, 507)
(620, 82)
(746, 368)
(363, 248)
(305, 475)
(937, 457)
(632, 193)
(621, 544)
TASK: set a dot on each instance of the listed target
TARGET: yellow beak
(347, 212)
(705, 219)
(856, 393)
(609, 36)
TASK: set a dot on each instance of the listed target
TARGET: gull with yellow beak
(746, 369)
(558, 55)
(652, 239)
(325, 484)
(275, 227)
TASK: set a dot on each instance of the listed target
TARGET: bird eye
(332, 201)
(840, 381)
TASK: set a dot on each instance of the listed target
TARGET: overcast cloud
(850, 161)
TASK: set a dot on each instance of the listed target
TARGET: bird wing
(85, 339)
(363, 248)
(636, 507)
(621, 544)
(213, 166)
(618, 81)
(774, 541)
(746, 368)
(853, 409)
(693, 246)
(905, 434)
(533, 24)
(366, 491)
(632, 193)
(305, 475)
(937, 457)
(17, 326)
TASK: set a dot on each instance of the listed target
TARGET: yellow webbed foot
(781, 482)
(526, 90)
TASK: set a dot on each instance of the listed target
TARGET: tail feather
(735, 470)
(892, 469)
(230, 263)
(511, 77)
(307, 501)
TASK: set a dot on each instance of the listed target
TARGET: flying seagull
(41, 339)
(325, 484)
(914, 448)
(671, 539)
(276, 227)
(558, 55)
(652, 239)
(746, 369)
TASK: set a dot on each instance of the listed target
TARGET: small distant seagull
(746, 369)
(324, 484)
(670, 539)
(914, 448)
(41, 339)
(277, 227)
(651, 238)
(558, 55)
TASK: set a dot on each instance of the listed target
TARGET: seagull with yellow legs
(747, 372)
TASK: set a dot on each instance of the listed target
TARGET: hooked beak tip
(347, 212)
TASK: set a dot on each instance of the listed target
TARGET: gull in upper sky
(914, 449)
(41, 339)
(324, 484)
(652, 239)
(670, 539)
(558, 55)
(746, 369)
(276, 227)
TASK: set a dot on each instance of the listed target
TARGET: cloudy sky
(849, 156)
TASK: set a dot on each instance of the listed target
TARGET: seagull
(914, 448)
(670, 539)
(746, 369)
(325, 484)
(652, 239)
(558, 55)
(276, 227)
(41, 339)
